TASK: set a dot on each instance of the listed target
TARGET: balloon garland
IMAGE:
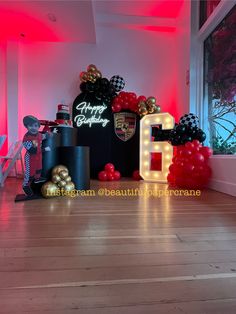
(110, 92)
(140, 105)
(190, 166)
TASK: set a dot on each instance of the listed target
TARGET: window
(206, 8)
(220, 85)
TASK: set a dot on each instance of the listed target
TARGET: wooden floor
(118, 255)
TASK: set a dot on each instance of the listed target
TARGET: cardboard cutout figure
(32, 142)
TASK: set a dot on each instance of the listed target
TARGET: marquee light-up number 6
(147, 146)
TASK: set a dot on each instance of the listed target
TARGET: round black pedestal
(76, 159)
(50, 159)
(68, 135)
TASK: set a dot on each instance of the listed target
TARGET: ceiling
(76, 21)
(153, 8)
(48, 20)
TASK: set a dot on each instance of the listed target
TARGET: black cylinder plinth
(76, 159)
(50, 159)
(69, 135)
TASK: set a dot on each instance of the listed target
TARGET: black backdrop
(105, 146)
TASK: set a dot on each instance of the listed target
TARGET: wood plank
(105, 261)
(115, 275)
(75, 241)
(225, 306)
(118, 249)
(93, 297)
(67, 231)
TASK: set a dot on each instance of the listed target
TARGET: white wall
(3, 102)
(12, 90)
(49, 72)
(223, 174)
(183, 58)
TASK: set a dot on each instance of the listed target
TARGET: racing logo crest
(125, 125)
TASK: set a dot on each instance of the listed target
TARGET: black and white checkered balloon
(189, 119)
(117, 82)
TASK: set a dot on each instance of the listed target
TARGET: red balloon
(171, 178)
(198, 159)
(116, 107)
(136, 175)
(133, 95)
(141, 98)
(179, 170)
(132, 107)
(117, 175)
(121, 101)
(188, 168)
(172, 168)
(189, 145)
(179, 152)
(102, 176)
(115, 101)
(196, 143)
(189, 183)
(110, 176)
(109, 167)
(203, 171)
(180, 181)
(187, 153)
(179, 161)
(174, 159)
(122, 94)
(126, 104)
(206, 151)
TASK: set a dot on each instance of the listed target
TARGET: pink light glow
(19, 25)
(3, 103)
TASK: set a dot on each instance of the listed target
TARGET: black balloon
(173, 134)
(83, 87)
(105, 82)
(107, 100)
(102, 89)
(181, 129)
(201, 136)
(182, 134)
(99, 95)
(90, 87)
(186, 138)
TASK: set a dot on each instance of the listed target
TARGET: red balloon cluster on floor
(190, 168)
(109, 173)
(126, 101)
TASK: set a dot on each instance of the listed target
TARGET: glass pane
(220, 85)
(206, 8)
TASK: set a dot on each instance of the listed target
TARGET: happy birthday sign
(89, 115)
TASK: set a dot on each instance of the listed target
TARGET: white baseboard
(223, 186)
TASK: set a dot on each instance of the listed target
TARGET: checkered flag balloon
(189, 119)
(117, 82)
